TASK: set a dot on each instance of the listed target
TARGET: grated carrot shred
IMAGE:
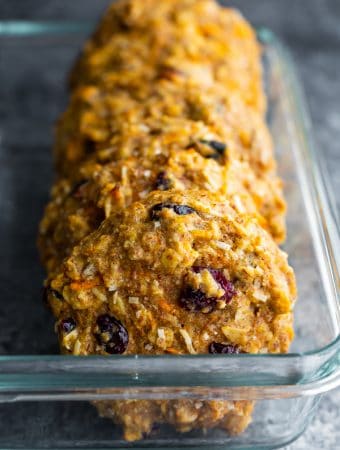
(165, 305)
(173, 351)
(87, 284)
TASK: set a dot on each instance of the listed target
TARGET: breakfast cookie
(104, 126)
(139, 417)
(192, 263)
(195, 38)
(176, 272)
(79, 205)
(161, 233)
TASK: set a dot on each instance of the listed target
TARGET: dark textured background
(311, 29)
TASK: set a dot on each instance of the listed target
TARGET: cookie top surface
(196, 38)
(179, 271)
(80, 204)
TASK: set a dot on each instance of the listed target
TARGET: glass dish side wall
(32, 385)
(65, 425)
(33, 90)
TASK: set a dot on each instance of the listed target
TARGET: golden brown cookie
(160, 234)
(139, 417)
(177, 272)
(197, 38)
(198, 271)
(107, 127)
(79, 205)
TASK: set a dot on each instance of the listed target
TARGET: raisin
(195, 300)
(163, 183)
(180, 210)
(112, 335)
(67, 325)
(216, 348)
(226, 285)
(217, 146)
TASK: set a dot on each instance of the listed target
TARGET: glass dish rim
(320, 184)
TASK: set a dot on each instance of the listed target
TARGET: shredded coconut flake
(161, 333)
(77, 347)
(102, 297)
(124, 171)
(209, 137)
(134, 300)
(239, 205)
(239, 316)
(223, 245)
(112, 288)
(188, 341)
(221, 304)
(156, 224)
(144, 127)
(260, 295)
(143, 194)
(148, 347)
(147, 173)
(89, 271)
(138, 314)
(115, 298)
(206, 336)
(157, 150)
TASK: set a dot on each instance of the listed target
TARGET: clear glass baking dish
(44, 397)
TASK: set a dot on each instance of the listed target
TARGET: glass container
(45, 398)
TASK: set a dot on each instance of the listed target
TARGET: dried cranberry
(181, 210)
(223, 349)
(195, 300)
(163, 183)
(78, 189)
(217, 146)
(112, 335)
(67, 325)
(226, 285)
